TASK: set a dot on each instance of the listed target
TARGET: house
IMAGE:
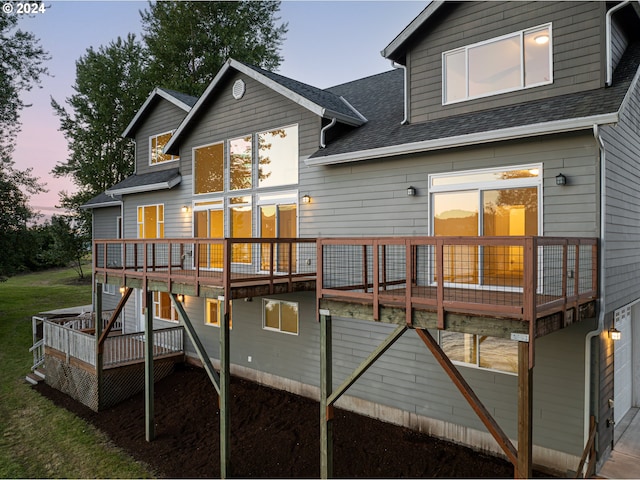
(482, 193)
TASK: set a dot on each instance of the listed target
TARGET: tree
(188, 42)
(70, 245)
(21, 68)
(110, 86)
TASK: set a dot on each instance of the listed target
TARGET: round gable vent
(238, 89)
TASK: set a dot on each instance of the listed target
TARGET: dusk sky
(328, 43)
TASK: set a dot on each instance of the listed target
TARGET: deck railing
(202, 261)
(515, 277)
(119, 349)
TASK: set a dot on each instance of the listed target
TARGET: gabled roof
(383, 135)
(103, 200)
(147, 182)
(395, 49)
(180, 100)
(321, 102)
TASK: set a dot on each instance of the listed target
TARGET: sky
(328, 43)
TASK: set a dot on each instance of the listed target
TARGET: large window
(208, 220)
(280, 316)
(240, 163)
(511, 62)
(480, 351)
(495, 202)
(279, 219)
(208, 169)
(151, 221)
(156, 147)
(278, 157)
(241, 227)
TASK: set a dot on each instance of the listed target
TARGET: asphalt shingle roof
(147, 179)
(102, 200)
(380, 99)
(183, 97)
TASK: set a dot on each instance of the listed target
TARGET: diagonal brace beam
(364, 366)
(112, 320)
(469, 395)
(193, 336)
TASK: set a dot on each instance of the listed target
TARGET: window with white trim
(511, 62)
(163, 308)
(156, 149)
(280, 316)
(151, 221)
(480, 351)
(109, 289)
(213, 312)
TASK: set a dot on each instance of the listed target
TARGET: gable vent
(238, 89)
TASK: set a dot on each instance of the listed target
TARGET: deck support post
(148, 367)
(326, 385)
(525, 416)
(225, 394)
(98, 333)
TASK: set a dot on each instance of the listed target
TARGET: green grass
(38, 439)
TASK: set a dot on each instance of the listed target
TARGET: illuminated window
(480, 351)
(278, 219)
(241, 227)
(504, 64)
(156, 146)
(280, 316)
(240, 163)
(213, 314)
(208, 220)
(163, 308)
(278, 157)
(493, 202)
(151, 221)
(208, 169)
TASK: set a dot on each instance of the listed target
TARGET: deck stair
(35, 377)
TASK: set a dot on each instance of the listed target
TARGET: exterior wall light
(122, 289)
(185, 209)
(306, 198)
(411, 192)
(615, 334)
(180, 297)
(561, 179)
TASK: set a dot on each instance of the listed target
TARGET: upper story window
(156, 147)
(504, 64)
(278, 157)
(240, 163)
(208, 169)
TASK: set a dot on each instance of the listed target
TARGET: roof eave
(114, 203)
(523, 131)
(146, 188)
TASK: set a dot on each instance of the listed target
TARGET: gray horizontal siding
(105, 222)
(577, 51)
(162, 117)
(370, 199)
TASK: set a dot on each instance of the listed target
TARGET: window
(278, 157)
(241, 227)
(480, 351)
(151, 221)
(213, 315)
(163, 308)
(240, 163)
(208, 169)
(109, 289)
(280, 316)
(156, 147)
(493, 202)
(208, 222)
(511, 62)
(279, 219)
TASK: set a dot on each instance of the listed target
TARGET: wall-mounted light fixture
(561, 179)
(122, 289)
(615, 334)
(185, 209)
(411, 192)
(306, 198)
(180, 297)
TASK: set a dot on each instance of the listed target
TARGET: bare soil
(273, 435)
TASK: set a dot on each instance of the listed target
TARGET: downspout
(602, 278)
(323, 131)
(405, 120)
(608, 39)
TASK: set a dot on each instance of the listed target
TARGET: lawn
(38, 439)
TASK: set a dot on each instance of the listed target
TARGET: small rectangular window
(504, 64)
(163, 308)
(156, 147)
(213, 314)
(480, 351)
(280, 316)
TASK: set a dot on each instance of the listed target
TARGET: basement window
(480, 351)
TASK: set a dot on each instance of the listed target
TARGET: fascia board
(512, 133)
(169, 147)
(115, 203)
(410, 29)
(147, 102)
(146, 188)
